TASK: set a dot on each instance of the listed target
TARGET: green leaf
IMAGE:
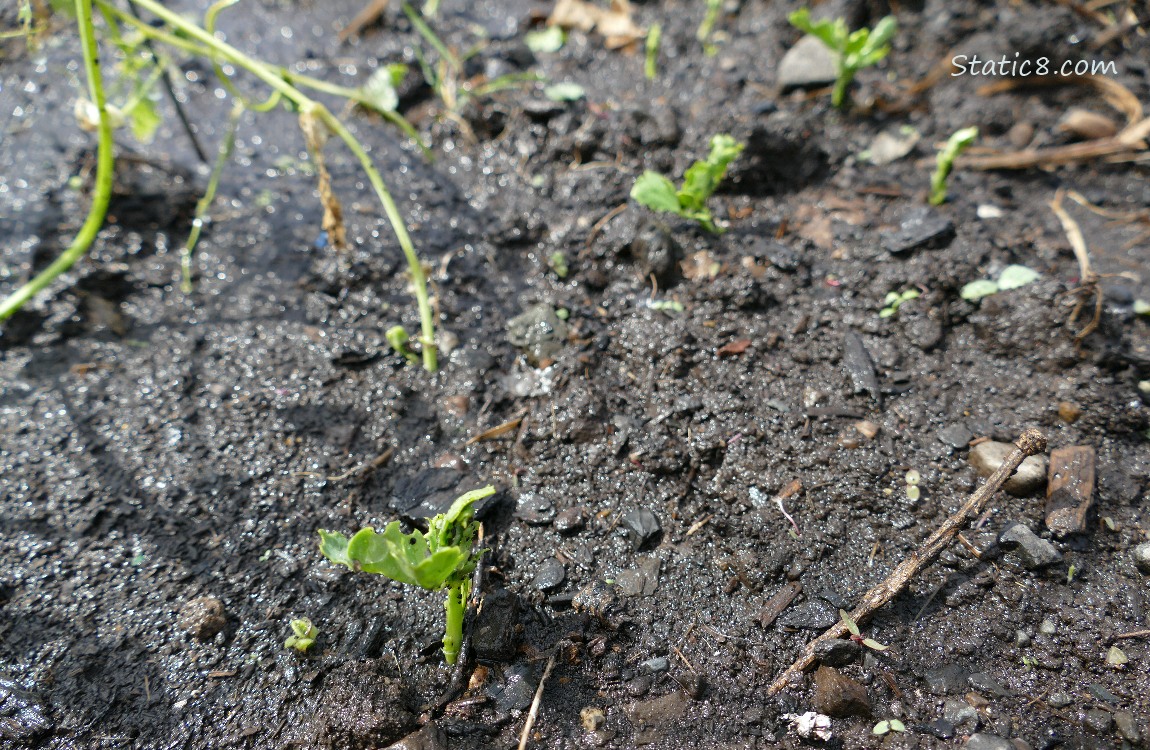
(831, 33)
(703, 177)
(145, 119)
(564, 92)
(851, 625)
(656, 192)
(979, 289)
(550, 39)
(1014, 276)
(877, 44)
(873, 644)
(881, 728)
(955, 145)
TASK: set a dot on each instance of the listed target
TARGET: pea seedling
(894, 300)
(955, 145)
(856, 636)
(303, 635)
(443, 558)
(854, 50)
(658, 193)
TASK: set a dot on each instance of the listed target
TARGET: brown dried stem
(1030, 443)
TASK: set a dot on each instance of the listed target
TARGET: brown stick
(1030, 443)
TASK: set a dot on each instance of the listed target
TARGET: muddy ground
(159, 448)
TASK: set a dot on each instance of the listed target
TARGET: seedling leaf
(656, 192)
(550, 39)
(955, 145)
(564, 92)
(873, 644)
(979, 289)
(1015, 276)
(851, 625)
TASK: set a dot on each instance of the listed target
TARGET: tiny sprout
(913, 493)
(856, 636)
(658, 193)
(303, 635)
(913, 477)
(1116, 657)
(854, 50)
(955, 145)
(888, 725)
(1070, 573)
(894, 300)
(398, 338)
(558, 262)
(1029, 662)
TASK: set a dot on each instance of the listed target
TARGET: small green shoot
(894, 300)
(658, 193)
(398, 338)
(955, 145)
(708, 25)
(651, 60)
(1012, 277)
(303, 635)
(443, 558)
(856, 636)
(888, 725)
(671, 307)
(1070, 573)
(550, 39)
(854, 50)
(1029, 661)
(567, 91)
(558, 262)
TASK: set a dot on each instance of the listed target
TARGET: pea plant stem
(1030, 443)
(102, 193)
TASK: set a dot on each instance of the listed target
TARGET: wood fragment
(1133, 634)
(497, 430)
(369, 15)
(1069, 489)
(779, 602)
(1031, 442)
(534, 711)
(1088, 279)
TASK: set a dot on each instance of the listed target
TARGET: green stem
(205, 202)
(453, 631)
(104, 170)
(307, 105)
(839, 93)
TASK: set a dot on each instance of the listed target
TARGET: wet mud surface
(167, 458)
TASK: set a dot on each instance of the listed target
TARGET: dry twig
(1030, 443)
(1088, 279)
(531, 714)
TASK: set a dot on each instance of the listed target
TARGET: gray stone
(946, 680)
(982, 741)
(1097, 720)
(550, 575)
(640, 581)
(517, 692)
(1059, 699)
(836, 653)
(956, 436)
(430, 737)
(535, 510)
(1127, 726)
(1034, 551)
(570, 521)
(1142, 557)
(658, 664)
(959, 712)
(808, 63)
(642, 526)
(813, 614)
(538, 332)
(984, 683)
(1029, 478)
(920, 228)
(1047, 627)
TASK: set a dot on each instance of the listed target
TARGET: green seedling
(303, 635)
(1012, 277)
(397, 337)
(894, 300)
(857, 637)
(658, 193)
(550, 39)
(443, 558)
(566, 91)
(955, 145)
(854, 50)
(888, 725)
(558, 262)
(651, 58)
(703, 34)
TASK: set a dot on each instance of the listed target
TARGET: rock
(423, 494)
(959, 712)
(837, 695)
(987, 742)
(1028, 479)
(639, 686)
(946, 680)
(956, 436)
(983, 682)
(857, 362)
(809, 63)
(516, 692)
(658, 664)
(1097, 720)
(535, 510)
(1059, 699)
(550, 575)
(202, 617)
(431, 737)
(891, 145)
(594, 599)
(570, 521)
(538, 332)
(592, 718)
(940, 728)
(813, 614)
(1069, 412)
(920, 228)
(1034, 551)
(494, 636)
(1141, 555)
(642, 527)
(657, 252)
(1127, 726)
(640, 581)
(837, 653)
(1070, 489)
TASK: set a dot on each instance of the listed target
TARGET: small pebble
(1097, 720)
(959, 712)
(982, 741)
(550, 575)
(1127, 726)
(592, 718)
(535, 511)
(642, 526)
(1047, 627)
(1029, 478)
(1058, 699)
(867, 429)
(1069, 412)
(570, 521)
(1142, 557)
(1034, 551)
(202, 617)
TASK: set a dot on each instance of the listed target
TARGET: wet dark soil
(167, 458)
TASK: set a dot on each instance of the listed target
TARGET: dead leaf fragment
(615, 23)
(733, 348)
(1087, 125)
